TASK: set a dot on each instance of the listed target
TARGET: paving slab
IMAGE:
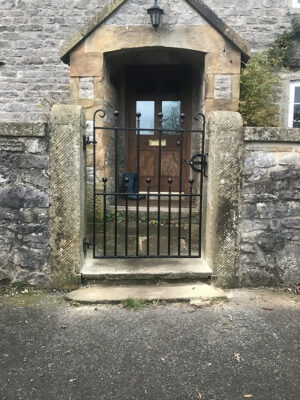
(170, 292)
(126, 269)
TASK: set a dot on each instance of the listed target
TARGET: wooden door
(151, 90)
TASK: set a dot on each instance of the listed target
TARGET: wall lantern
(155, 13)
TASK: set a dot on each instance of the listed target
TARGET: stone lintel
(67, 210)
(263, 134)
(23, 129)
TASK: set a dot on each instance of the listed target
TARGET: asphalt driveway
(247, 348)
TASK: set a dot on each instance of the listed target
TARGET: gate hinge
(86, 245)
(205, 163)
(87, 141)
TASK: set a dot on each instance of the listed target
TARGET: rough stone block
(74, 89)
(235, 86)
(36, 178)
(260, 160)
(209, 86)
(221, 105)
(23, 197)
(86, 88)
(27, 161)
(86, 64)
(35, 146)
(20, 129)
(222, 87)
(223, 62)
(11, 145)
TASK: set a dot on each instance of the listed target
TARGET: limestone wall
(24, 203)
(32, 75)
(270, 226)
(268, 229)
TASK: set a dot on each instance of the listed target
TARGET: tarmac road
(50, 349)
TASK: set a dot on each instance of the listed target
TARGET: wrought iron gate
(128, 223)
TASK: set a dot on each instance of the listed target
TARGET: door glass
(171, 117)
(297, 94)
(296, 123)
(147, 109)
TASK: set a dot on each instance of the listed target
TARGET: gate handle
(193, 163)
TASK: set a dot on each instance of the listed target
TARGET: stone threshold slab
(170, 292)
(123, 269)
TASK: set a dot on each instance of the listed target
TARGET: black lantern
(155, 13)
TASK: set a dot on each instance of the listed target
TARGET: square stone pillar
(67, 195)
(222, 195)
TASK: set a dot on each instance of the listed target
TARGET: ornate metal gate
(129, 222)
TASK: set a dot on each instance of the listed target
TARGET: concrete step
(169, 292)
(145, 269)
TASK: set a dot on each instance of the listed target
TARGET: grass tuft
(134, 304)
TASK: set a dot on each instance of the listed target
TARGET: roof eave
(87, 29)
(220, 26)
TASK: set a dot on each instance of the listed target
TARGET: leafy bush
(279, 54)
(257, 99)
(259, 78)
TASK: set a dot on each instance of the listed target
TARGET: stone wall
(270, 231)
(24, 203)
(257, 21)
(31, 74)
(269, 228)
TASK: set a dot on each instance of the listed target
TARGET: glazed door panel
(151, 91)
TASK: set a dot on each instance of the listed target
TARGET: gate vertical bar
(160, 118)
(169, 216)
(126, 180)
(138, 115)
(116, 114)
(201, 183)
(148, 216)
(94, 184)
(182, 116)
(190, 216)
(104, 180)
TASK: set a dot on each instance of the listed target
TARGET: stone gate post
(222, 195)
(67, 194)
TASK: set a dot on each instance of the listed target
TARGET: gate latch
(197, 161)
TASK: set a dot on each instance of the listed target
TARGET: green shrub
(259, 78)
(257, 100)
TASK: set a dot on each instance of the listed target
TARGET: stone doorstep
(168, 292)
(145, 269)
